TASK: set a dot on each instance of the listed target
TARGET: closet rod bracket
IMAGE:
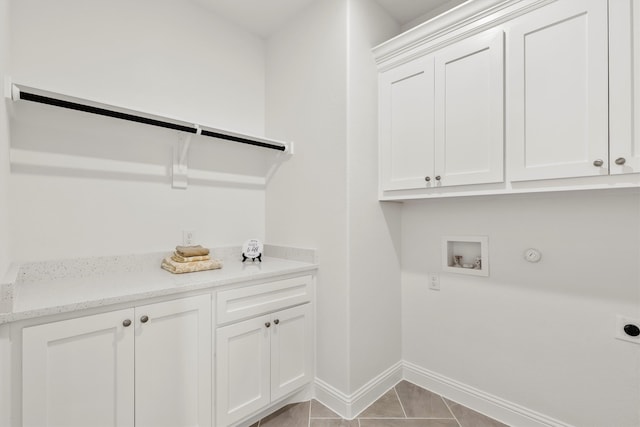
(180, 171)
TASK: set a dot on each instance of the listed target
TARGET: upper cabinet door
(557, 94)
(624, 85)
(469, 99)
(406, 125)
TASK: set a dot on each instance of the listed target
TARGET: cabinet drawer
(236, 304)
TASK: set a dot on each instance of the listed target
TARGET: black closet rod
(27, 96)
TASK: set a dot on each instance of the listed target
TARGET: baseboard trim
(493, 406)
(349, 406)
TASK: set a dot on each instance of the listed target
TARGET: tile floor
(405, 405)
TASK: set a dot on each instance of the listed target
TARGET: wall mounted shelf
(24, 93)
(19, 93)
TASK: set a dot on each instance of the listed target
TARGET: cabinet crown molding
(460, 22)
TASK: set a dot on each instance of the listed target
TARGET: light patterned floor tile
(470, 418)
(388, 406)
(420, 403)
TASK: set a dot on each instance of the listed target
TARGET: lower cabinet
(260, 360)
(152, 365)
(144, 366)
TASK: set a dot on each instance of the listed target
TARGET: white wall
(373, 228)
(5, 371)
(172, 58)
(322, 94)
(5, 346)
(307, 198)
(445, 7)
(4, 139)
(539, 335)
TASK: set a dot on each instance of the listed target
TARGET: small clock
(252, 249)
(532, 255)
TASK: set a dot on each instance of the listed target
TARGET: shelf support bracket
(180, 173)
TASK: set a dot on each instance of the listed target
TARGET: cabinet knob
(126, 323)
(277, 321)
(268, 324)
(438, 177)
(598, 163)
(144, 319)
(621, 161)
(427, 178)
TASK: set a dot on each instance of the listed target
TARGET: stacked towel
(189, 259)
(189, 251)
(179, 258)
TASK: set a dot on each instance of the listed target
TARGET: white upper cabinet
(469, 116)
(407, 125)
(441, 117)
(557, 91)
(512, 96)
(624, 86)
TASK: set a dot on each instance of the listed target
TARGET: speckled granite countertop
(46, 288)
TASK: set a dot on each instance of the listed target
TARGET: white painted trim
(349, 406)
(493, 406)
(458, 23)
(442, 9)
(606, 182)
(332, 398)
(362, 398)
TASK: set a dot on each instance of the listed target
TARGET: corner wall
(5, 345)
(322, 94)
(538, 335)
(4, 139)
(374, 227)
(85, 185)
(307, 198)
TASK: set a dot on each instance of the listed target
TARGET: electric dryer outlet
(627, 329)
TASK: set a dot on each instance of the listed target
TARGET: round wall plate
(532, 255)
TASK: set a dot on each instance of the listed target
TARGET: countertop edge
(197, 285)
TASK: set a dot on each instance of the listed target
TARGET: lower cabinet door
(242, 369)
(79, 372)
(291, 350)
(173, 363)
